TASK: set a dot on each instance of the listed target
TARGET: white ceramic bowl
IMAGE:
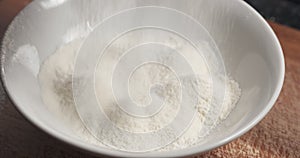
(250, 49)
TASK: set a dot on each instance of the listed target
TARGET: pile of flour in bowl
(55, 79)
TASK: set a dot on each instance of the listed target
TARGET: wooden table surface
(278, 135)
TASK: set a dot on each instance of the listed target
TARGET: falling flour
(55, 79)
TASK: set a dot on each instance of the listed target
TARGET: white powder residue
(48, 4)
(56, 86)
(28, 56)
(78, 31)
(55, 79)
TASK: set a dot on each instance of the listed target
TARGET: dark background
(286, 12)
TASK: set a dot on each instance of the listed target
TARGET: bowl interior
(251, 53)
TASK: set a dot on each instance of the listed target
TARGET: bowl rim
(95, 150)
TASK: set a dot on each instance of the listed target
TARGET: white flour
(27, 55)
(56, 85)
